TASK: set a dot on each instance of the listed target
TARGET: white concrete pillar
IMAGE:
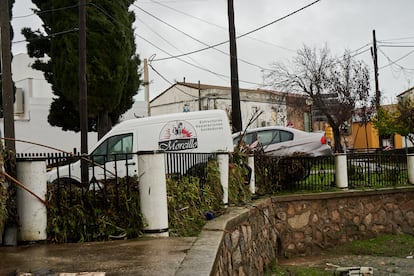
(32, 212)
(153, 192)
(341, 171)
(410, 168)
(252, 183)
(223, 162)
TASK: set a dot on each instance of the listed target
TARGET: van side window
(114, 147)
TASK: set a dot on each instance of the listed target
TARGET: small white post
(32, 212)
(341, 171)
(252, 183)
(223, 162)
(410, 168)
(153, 193)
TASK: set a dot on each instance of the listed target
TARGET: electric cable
(242, 35)
(193, 38)
(217, 26)
(146, 40)
(74, 29)
(37, 12)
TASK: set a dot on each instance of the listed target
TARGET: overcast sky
(168, 28)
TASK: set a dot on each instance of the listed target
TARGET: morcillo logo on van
(177, 135)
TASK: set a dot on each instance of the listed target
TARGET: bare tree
(336, 86)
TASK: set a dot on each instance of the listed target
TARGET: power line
(193, 65)
(279, 19)
(216, 25)
(172, 45)
(146, 40)
(242, 35)
(74, 29)
(192, 37)
(394, 62)
(395, 39)
(396, 46)
(37, 12)
(165, 79)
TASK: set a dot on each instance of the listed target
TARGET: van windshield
(114, 148)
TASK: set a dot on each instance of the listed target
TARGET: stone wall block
(235, 236)
(306, 224)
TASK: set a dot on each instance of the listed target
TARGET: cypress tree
(112, 64)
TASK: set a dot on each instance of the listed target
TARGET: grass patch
(384, 245)
(296, 271)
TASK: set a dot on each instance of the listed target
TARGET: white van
(196, 132)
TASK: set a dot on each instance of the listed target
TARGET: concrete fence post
(410, 168)
(223, 162)
(153, 192)
(341, 171)
(252, 183)
(32, 212)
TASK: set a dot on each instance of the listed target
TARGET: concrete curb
(202, 256)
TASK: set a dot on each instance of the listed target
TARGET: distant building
(277, 108)
(407, 93)
(31, 109)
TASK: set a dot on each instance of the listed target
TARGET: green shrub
(239, 192)
(191, 201)
(79, 214)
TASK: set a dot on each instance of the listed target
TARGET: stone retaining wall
(308, 224)
(246, 239)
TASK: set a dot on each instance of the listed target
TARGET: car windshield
(119, 144)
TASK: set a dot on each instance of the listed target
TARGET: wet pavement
(146, 256)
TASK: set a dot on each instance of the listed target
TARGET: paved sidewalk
(147, 256)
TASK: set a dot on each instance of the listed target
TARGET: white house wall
(181, 98)
(38, 130)
(32, 125)
(177, 94)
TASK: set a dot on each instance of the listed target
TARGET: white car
(285, 141)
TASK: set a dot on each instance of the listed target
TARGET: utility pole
(6, 75)
(375, 59)
(199, 95)
(83, 95)
(146, 83)
(377, 91)
(235, 92)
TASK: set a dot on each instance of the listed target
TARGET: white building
(31, 108)
(182, 97)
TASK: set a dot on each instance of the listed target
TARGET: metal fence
(365, 170)
(275, 174)
(193, 164)
(377, 170)
(108, 172)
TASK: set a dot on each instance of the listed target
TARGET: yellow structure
(366, 136)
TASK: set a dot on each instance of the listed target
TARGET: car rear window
(269, 137)
(286, 136)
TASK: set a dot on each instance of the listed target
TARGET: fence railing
(193, 164)
(272, 174)
(114, 187)
(377, 170)
(364, 170)
(275, 174)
